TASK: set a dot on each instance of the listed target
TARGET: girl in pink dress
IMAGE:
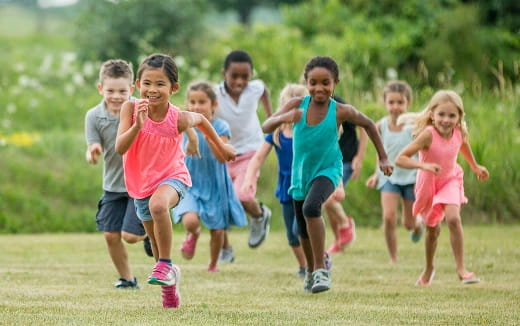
(440, 134)
(150, 139)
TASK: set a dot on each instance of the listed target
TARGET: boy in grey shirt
(116, 215)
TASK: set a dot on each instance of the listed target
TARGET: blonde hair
(421, 120)
(287, 93)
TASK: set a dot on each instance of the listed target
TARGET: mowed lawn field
(67, 279)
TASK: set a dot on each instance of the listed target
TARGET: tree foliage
(132, 28)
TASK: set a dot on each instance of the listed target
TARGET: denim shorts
(406, 191)
(347, 173)
(142, 205)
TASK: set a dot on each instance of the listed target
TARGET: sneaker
(227, 255)
(327, 259)
(308, 281)
(347, 235)
(259, 228)
(164, 274)
(126, 284)
(334, 248)
(321, 280)
(188, 246)
(147, 246)
(301, 272)
(212, 269)
(171, 297)
(416, 237)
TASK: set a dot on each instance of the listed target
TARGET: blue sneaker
(126, 284)
(416, 237)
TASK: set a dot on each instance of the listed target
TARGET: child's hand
(432, 167)
(386, 167)
(292, 116)
(142, 113)
(248, 187)
(192, 147)
(93, 152)
(482, 173)
(371, 181)
(229, 152)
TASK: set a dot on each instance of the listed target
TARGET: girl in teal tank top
(317, 160)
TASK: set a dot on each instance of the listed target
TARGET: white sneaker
(227, 255)
(259, 228)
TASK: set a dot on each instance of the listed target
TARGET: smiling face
(396, 104)
(199, 101)
(155, 86)
(115, 92)
(445, 117)
(236, 76)
(320, 84)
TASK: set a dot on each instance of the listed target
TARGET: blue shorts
(347, 173)
(406, 191)
(141, 205)
(116, 213)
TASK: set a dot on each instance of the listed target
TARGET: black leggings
(321, 189)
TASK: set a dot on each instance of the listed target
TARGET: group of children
(210, 174)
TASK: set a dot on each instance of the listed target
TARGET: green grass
(66, 279)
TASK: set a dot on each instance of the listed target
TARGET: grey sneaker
(259, 227)
(301, 272)
(308, 281)
(321, 279)
(227, 255)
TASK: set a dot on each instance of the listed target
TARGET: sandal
(469, 278)
(420, 281)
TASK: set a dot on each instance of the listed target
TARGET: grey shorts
(116, 213)
(142, 205)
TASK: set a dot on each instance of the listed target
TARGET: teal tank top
(315, 151)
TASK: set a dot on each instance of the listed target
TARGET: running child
(399, 187)
(238, 98)
(317, 164)
(281, 140)
(149, 138)
(440, 134)
(211, 198)
(116, 213)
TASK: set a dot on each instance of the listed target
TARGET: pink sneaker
(171, 297)
(188, 246)
(212, 269)
(347, 235)
(334, 248)
(164, 274)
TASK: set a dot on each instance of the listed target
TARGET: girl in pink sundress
(150, 139)
(440, 134)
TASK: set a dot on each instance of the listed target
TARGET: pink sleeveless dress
(433, 192)
(155, 155)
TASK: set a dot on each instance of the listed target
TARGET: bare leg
(430, 245)
(161, 201)
(300, 255)
(191, 223)
(252, 207)
(131, 238)
(118, 254)
(389, 202)
(307, 250)
(225, 241)
(316, 230)
(215, 244)
(456, 237)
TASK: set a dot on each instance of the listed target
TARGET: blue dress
(212, 195)
(285, 157)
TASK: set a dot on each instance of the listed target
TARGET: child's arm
(93, 152)
(192, 146)
(357, 161)
(213, 147)
(480, 171)
(191, 119)
(266, 102)
(372, 180)
(253, 168)
(422, 142)
(349, 113)
(127, 131)
(289, 113)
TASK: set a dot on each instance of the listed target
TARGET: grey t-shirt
(101, 127)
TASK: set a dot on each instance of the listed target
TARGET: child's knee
(311, 209)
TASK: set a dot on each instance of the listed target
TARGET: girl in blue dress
(211, 197)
